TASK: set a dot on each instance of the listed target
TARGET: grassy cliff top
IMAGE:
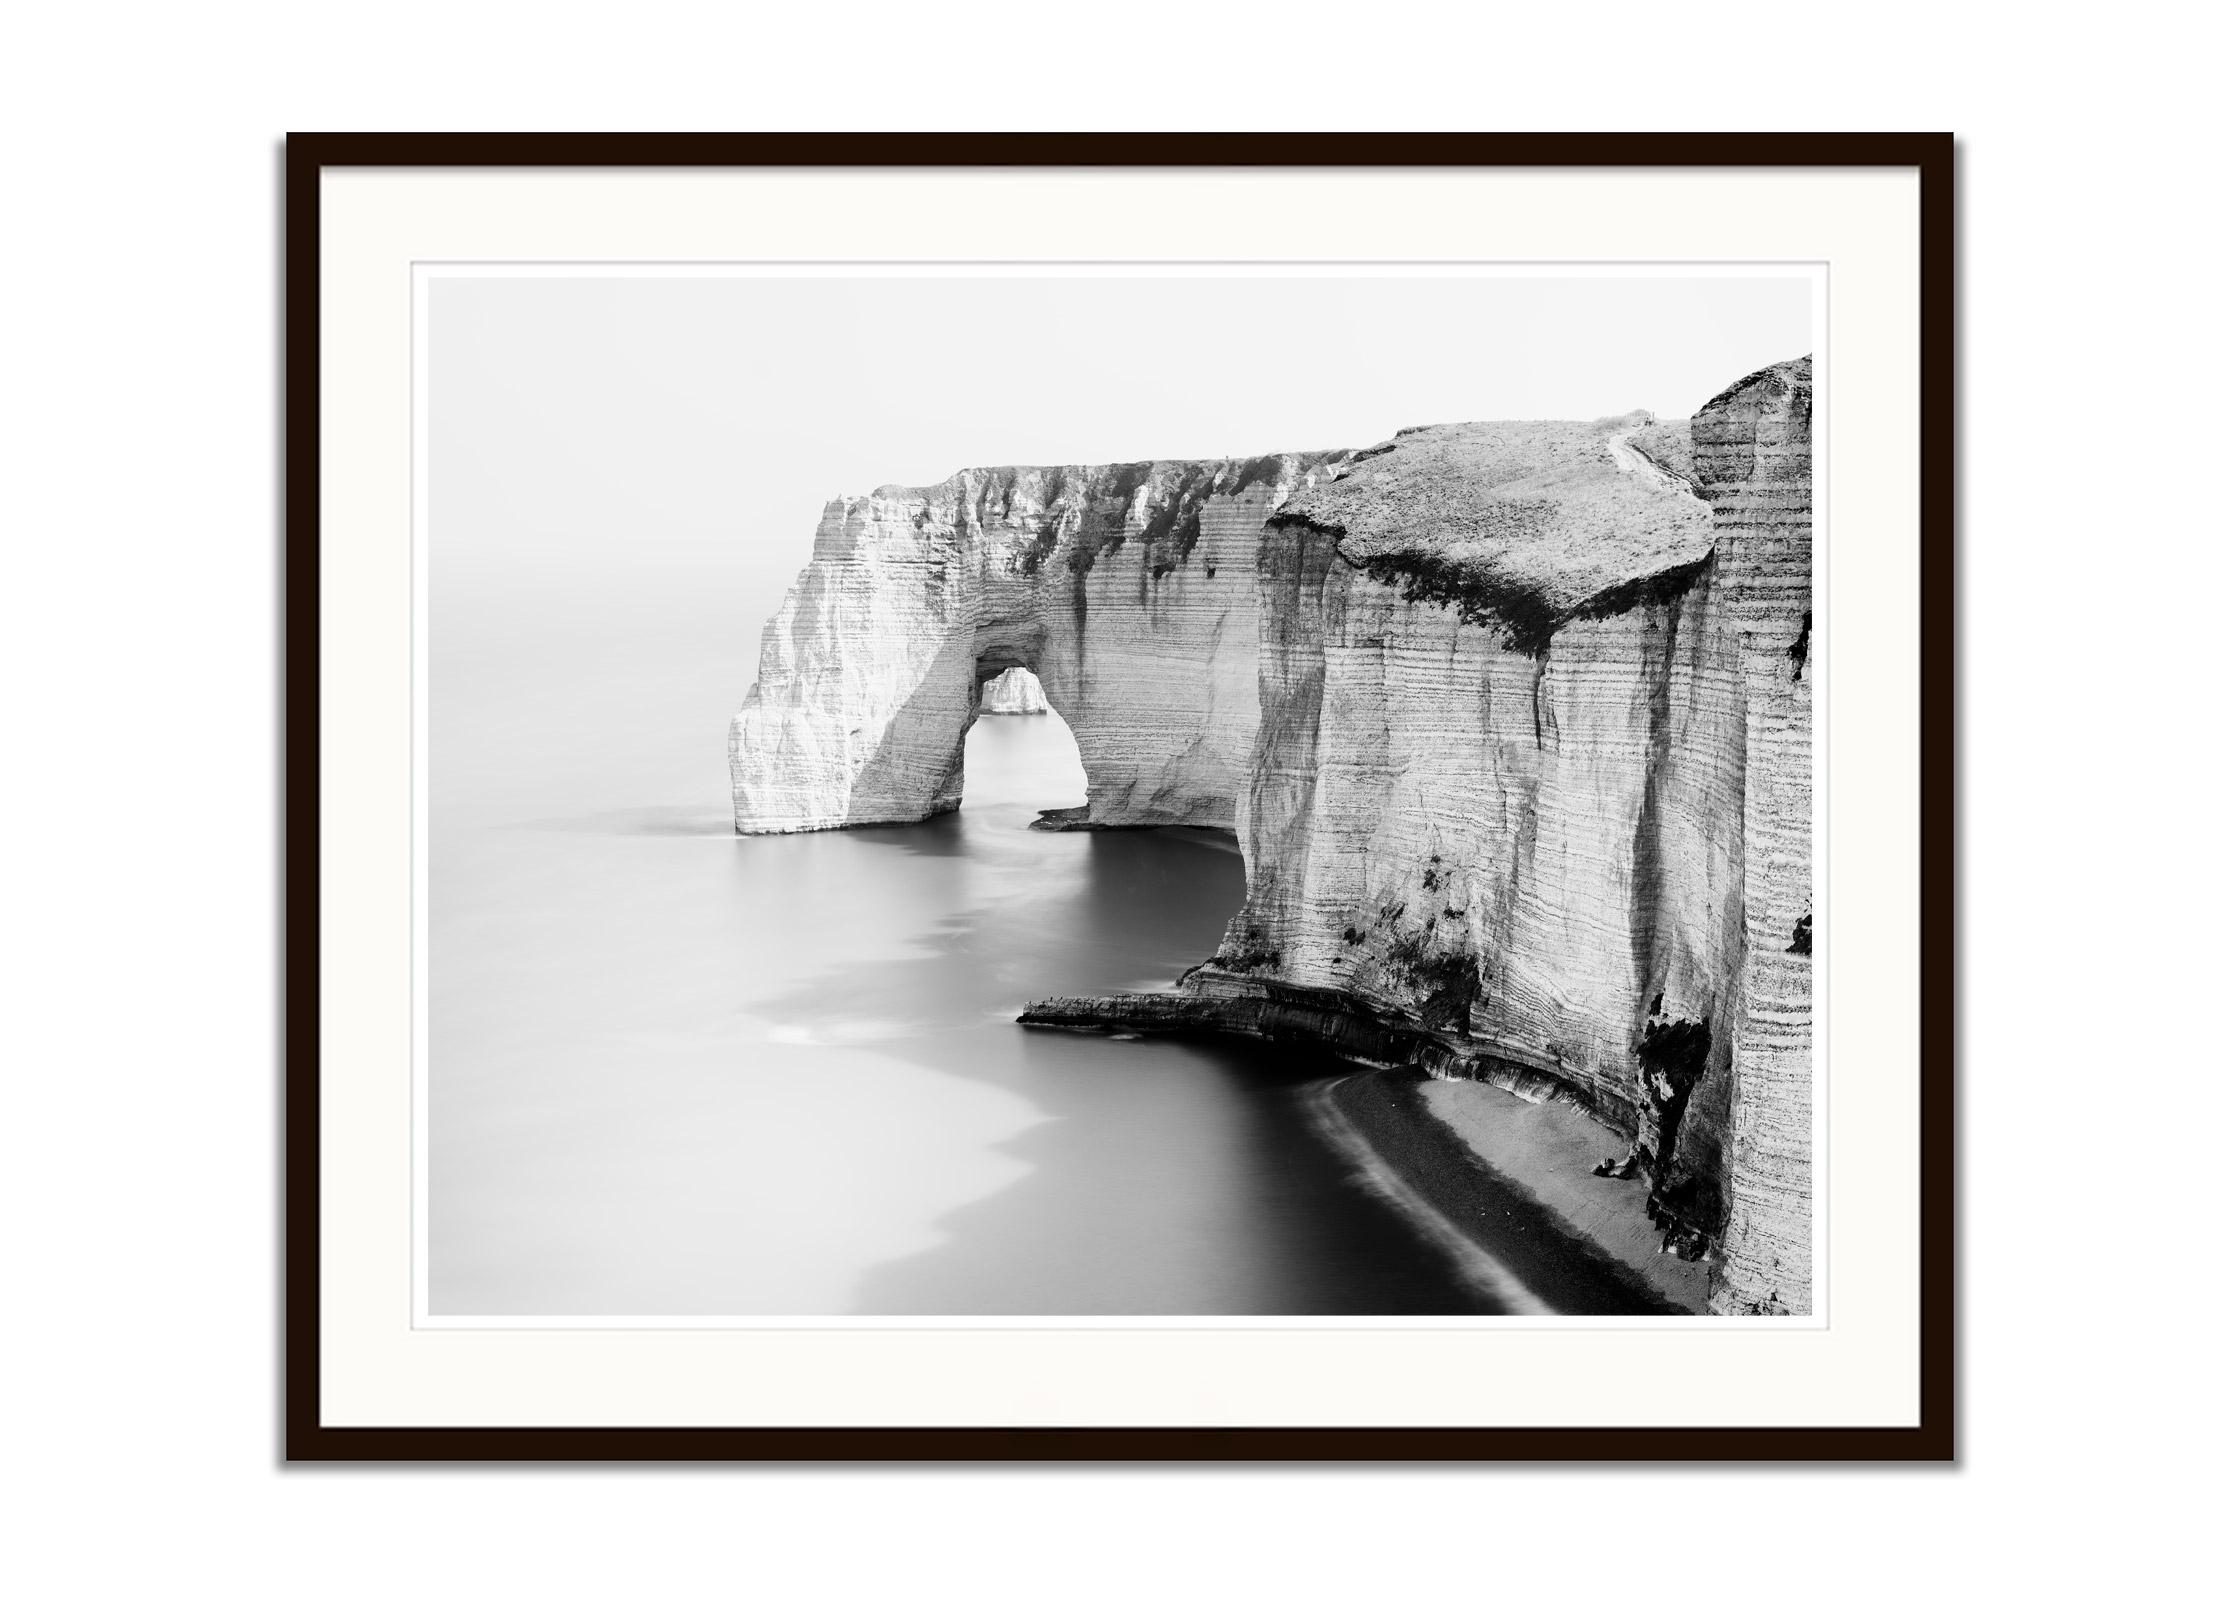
(1523, 525)
(1052, 486)
(1077, 517)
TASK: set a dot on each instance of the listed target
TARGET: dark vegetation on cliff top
(1521, 527)
(1083, 512)
(1793, 374)
(1653, 588)
(1519, 610)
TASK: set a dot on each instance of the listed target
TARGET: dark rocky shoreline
(1429, 1160)
(1251, 1009)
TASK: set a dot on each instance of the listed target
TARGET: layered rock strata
(1534, 775)
(1128, 591)
(1013, 693)
(1524, 793)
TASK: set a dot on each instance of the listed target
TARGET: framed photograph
(1119, 797)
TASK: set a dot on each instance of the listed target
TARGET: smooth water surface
(674, 1071)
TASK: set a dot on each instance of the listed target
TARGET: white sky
(650, 433)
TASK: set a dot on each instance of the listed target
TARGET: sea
(677, 1072)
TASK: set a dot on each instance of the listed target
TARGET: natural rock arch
(1129, 591)
(1513, 720)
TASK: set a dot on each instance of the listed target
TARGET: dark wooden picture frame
(308, 1439)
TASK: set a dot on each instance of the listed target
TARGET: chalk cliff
(1128, 590)
(1513, 722)
(1013, 693)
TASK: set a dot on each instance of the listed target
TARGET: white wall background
(137, 648)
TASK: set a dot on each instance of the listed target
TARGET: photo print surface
(1182, 793)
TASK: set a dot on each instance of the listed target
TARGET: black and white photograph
(1064, 803)
(1175, 791)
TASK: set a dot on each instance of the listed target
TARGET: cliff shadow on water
(1157, 1177)
(1164, 1177)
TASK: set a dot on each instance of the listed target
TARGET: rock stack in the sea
(1013, 692)
(1513, 721)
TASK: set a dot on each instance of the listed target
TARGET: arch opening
(1020, 754)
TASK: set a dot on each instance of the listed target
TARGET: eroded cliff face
(1532, 789)
(1753, 454)
(1513, 722)
(1013, 693)
(1129, 591)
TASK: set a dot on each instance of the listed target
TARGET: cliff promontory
(1128, 591)
(1512, 720)
(1014, 692)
